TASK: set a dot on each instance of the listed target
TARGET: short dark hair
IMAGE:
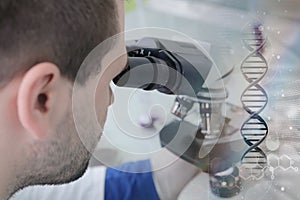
(59, 31)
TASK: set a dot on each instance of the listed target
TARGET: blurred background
(218, 23)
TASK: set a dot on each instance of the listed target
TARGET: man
(42, 45)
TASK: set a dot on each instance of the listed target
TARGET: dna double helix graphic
(254, 99)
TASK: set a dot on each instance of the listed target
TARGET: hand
(170, 179)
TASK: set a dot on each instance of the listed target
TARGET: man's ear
(35, 97)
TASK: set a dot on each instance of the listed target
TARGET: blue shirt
(130, 181)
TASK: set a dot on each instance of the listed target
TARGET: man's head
(42, 45)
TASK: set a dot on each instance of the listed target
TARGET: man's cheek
(101, 109)
(102, 115)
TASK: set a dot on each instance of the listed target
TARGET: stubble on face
(61, 159)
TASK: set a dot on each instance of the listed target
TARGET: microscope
(203, 130)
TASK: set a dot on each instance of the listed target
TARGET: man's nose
(112, 97)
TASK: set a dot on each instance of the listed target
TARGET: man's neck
(10, 179)
(6, 189)
(5, 195)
